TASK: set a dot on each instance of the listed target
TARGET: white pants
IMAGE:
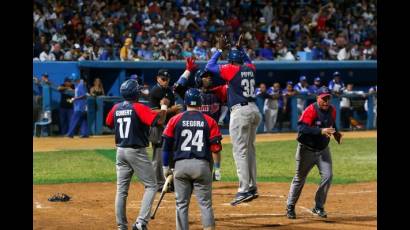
(271, 116)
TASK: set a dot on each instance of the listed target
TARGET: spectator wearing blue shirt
(80, 109)
(199, 50)
(266, 52)
(144, 52)
(317, 83)
(336, 86)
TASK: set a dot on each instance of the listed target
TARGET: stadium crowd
(77, 30)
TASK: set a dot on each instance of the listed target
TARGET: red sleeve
(109, 120)
(308, 116)
(228, 71)
(169, 129)
(146, 115)
(214, 135)
(252, 66)
(221, 92)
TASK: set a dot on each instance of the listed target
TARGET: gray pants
(271, 116)
(157, 164)
(242, 129)
(305, 160)
(130, 161)
(193, 175)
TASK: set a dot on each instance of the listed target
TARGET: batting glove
(190, 64)
(167, 171)
(217, 174)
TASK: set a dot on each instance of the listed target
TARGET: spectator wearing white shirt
(267, 11)
(45, 55)
(302, 87)
(346, 110)
(59, 37)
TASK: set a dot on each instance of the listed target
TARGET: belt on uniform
(239, 105)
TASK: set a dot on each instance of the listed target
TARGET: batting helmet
(199, 75)
(235, 55)
(130, 90)
(193, 97)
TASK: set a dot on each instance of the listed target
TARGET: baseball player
(336, 86)
(317, 83)
(315, 127)
(161, 91)
(245, 116)
(195, 136)
(131, 121)
(212, 98)
(79, 116)
(302, 88)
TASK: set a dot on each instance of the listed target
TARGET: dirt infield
(92, 207)
(350, 206)
(107, 141)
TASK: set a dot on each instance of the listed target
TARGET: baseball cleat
(319, 212)
(217, 175)
(139, 226)
(241, 197)
(290, 212)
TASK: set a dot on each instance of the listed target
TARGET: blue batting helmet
(193, 97)
(199, 75)
(130, 90)
(235, 55)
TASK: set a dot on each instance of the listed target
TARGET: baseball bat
(164, 190)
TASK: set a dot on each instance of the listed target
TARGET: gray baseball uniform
(130, 161)
(305, 160)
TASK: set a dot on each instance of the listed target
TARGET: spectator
(59, 37)
(186, 51)
(368, 52)
(144, 53)
(45, 55)
(199, 51)
(336, 86)
(79, 117)
(266, 52)
(66, 107)
(56, 53)
(267, 11)
(355, 52)
(97, 89)
(126, 53)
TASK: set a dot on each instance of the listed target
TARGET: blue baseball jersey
(131, 121)
(240, 79)
(302, 90)
(192, 134)
(80, 91)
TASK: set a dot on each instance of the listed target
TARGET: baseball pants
(78, 118)
(193, 175)
(65, 117)
(130, 161)
(242, 129)
(157, 164)
(305, 160)
(271, 116)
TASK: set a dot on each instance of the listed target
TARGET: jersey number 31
(196, 141)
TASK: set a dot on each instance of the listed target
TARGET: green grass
(353, 161)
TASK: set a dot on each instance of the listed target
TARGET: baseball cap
(134, 77)
(289, 83)
(302, 78)
(164, 73)
(323, 92)
(77, 46)
(317, 78)
(66, 79)
(336, 74)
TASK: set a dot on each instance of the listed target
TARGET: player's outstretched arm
(181, 85)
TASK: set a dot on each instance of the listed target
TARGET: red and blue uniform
(240, 79)
(191, 134)
(131, 122)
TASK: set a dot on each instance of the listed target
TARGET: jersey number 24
(197, 140)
